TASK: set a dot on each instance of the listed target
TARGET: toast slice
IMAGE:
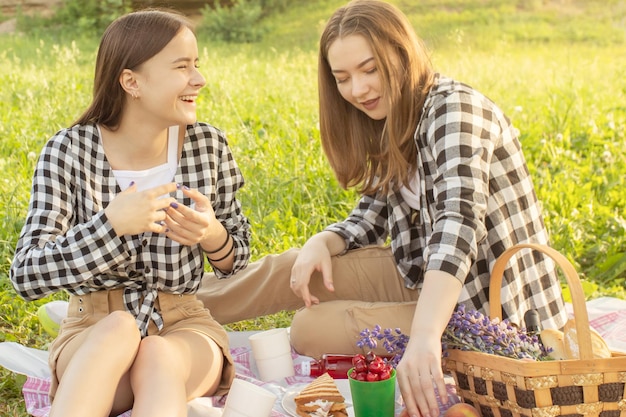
(321, 398)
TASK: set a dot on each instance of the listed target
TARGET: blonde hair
(374, 154)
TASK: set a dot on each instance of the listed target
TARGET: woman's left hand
(190, 226)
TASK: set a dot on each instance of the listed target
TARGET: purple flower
(466, 330)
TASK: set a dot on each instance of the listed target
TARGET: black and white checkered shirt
(476, 200)
(67, 243)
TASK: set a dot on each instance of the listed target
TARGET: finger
(301, 289)
(158, 227)
(179, 231)
(187, 216)
(426, 399)
(182, 214)
(407, 394)
(442, 389)
(132, 188)
(422, 404)
(327, 275)
(202, 202)
(163, 189)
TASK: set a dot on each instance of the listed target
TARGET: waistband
(105, 301)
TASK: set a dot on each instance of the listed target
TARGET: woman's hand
(315, 255)
(418, 370)
(420, 366)
(132, 212)
(190, 226)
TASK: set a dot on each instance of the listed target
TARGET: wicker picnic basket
(504, 387)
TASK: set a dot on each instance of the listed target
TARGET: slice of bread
(599, 347)
(321, 398)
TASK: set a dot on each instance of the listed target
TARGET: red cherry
(372, 377)
(370, 356)
(376, 366)
(361, 366)
(361, 376)
(357, 358)
(385, 374)
(353, 374)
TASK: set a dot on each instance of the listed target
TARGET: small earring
(134, 95)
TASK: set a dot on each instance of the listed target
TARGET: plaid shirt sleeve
(366, 224)
(226, 206)
(53, 252)
(463, 133)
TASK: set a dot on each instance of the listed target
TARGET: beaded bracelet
(232, 248)
(221, 247)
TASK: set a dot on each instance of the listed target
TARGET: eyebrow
(185, 59)
(360, 65)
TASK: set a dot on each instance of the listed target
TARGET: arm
(53, 252)
(366, 224)
(421, 363)
(461, 138)
(226, 180)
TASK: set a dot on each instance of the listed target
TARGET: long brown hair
(374, 154)
(127, 43)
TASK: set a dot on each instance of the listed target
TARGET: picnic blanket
(33, 363)
(607, 315)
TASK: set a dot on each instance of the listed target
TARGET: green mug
(374, 399)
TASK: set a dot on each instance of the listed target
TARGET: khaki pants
(368, 291)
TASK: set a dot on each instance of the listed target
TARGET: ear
(129, 83)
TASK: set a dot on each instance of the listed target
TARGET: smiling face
(353, 65)
(169, 82)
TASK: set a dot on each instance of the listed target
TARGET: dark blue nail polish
(174, 205)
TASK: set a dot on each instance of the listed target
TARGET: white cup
(248, 400)
(272, 353)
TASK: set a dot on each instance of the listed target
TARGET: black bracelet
(232, 248)
(221, 247)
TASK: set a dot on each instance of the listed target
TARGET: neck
(135, 149)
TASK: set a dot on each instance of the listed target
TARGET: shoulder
(75, 139)
(450, 93)
(205, 131)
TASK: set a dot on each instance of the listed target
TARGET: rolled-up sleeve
(366, 224)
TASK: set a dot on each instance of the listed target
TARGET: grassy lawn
(557, 68)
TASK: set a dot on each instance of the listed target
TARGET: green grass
(556, 68)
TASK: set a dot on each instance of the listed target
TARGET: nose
(359, 87)
(198, 80)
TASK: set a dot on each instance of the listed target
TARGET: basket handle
(571, 276)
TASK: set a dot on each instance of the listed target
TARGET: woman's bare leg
(91, 366)
(170, 370)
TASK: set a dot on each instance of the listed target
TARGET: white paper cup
(248, 400)
(272, 354)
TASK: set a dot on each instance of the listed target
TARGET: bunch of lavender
(471, 330)
(467, 330)
(394, 341)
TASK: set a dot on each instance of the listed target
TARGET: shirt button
(147, 270)
(144, 243)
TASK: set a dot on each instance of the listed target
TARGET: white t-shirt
(158, 175)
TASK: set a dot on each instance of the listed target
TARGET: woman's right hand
(132, 212)
(314, 256)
